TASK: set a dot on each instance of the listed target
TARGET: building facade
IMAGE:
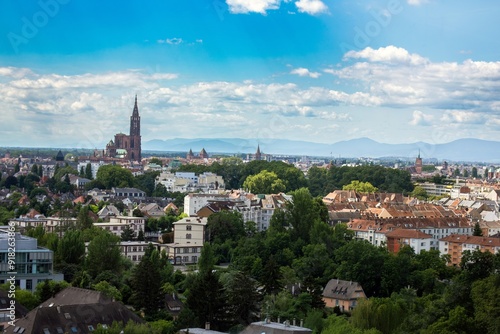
(33, 264)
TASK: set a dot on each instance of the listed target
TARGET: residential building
(33, 264)
(269, 327)
(74, 310)
(342, 294)
(454, 245)
(193, 202)
(417, 240)
(117, 225)
(131, 193)
(189, 237)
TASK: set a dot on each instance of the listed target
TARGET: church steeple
(135, 121)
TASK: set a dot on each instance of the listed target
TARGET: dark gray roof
(342, 290)
(74, 310)
(274, 328)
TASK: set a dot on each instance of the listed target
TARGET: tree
(128, 234)
(108, 290)
(88, 171)
(83, 221)
(114, 176)
(477, 230)
(70, 254)
(147, 283)
(225, 225)
(242, 296)
(103, 254)
(205, 296)
(474, 172)
(361, 187)
(485, 295)
(10, 181)
(419, 193)
(264, 183)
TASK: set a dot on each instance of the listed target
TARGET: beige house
(118, 224)
(344, 294)
(189, 236)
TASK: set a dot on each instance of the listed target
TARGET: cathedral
(127, 147)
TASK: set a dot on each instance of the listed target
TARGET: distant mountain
(458, 150)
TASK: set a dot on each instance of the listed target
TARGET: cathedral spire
(136, 109)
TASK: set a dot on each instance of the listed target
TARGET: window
(195, 249)
(194, 259)
(91, 328)
(29, 284)
(188, 236)
(185, 259)
(134, 257)
(188, 227)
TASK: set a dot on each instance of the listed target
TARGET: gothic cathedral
(127, 147)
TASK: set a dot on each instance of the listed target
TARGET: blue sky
(396, 71)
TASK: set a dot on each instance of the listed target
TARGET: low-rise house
(108, 211)
(152, 210)
(342, 294)
(74, 310)
(135, 250)
(454, 245)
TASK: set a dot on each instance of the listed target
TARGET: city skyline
(321, 71)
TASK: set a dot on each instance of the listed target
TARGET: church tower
(418, 164)
(135, 134)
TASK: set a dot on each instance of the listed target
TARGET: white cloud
(252, 6)
(389, 54)
(395, 78)
(417, 2)
(174, 41)
(419, 118)
(304, 72)
(312, 7)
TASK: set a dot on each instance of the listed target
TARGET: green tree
(264, 183)
(361, 187)
(419, 193)
(108, 290)
(486, 295)
(477, 230)
(128, 234)
(70, 254)
(88, 171)
(205, 296)
(147, 283)
(83, 221)
(242, 297)
(103, 254)
(114, 176)
(474, 172)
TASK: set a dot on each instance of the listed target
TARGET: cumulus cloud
(419, 118)
(312, 7)
(396, 78)
(304, 72)
(252, 6)
(389, 54)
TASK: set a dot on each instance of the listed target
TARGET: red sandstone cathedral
(127, 147)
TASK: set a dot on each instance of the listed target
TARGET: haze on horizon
(395, 71)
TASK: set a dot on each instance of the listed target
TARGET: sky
(395, 71)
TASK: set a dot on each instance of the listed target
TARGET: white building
(94, 165)
(189, 237)
(190, 182)
(33, 264)
(194, 202)
(117, 225)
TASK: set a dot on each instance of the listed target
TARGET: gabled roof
(343, 290)
(73, 310)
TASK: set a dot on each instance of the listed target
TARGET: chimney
(58, 309)
(294, 321)
(279, 320)
(207, 325)
(301, 322)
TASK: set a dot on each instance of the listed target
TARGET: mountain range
(467, 149)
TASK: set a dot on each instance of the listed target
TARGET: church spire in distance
(135, 120)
